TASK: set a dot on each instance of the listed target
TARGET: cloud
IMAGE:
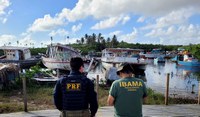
(125, 19)
(110, 14)
(101, 9)
(129, 37)
(173, 18)
(5, 39)
(76, 28)
(27, 41)
(141, 19)
(60, 32)
(115, 33)
(182, 35)
(3, 13)
(3, 5)
(47, 23)
(107, 23)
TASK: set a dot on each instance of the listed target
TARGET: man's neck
(126, 75)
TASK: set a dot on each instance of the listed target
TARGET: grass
(40, 97)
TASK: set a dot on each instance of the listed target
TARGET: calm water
(183, 80)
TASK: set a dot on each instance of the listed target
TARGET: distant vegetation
(35, 51)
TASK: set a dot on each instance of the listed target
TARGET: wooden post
(97, 87)
(58, 73)
(199, 94)
(167, 90)
(24, 92)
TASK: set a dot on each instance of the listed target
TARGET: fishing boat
(19, 55)
(187, 60)
(114, 56)
(58, 56)
(157, 52)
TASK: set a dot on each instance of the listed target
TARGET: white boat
(114, 56)
(19, 55)
(58, 56)
(157, 52)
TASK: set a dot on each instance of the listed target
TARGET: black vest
(75, 92)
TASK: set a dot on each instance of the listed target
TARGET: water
(183, 80)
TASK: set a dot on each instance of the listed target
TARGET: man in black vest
(74, 94)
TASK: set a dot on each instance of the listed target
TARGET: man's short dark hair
(76, 63)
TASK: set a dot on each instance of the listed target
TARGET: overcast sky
(33, 22)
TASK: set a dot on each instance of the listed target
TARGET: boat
(187, 60)
(114, 56)
(159, 59)
(58, 56)
(157, 52)
(19, 55)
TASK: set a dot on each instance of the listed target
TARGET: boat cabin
(61, 52)
(120, 52)
(15, 53)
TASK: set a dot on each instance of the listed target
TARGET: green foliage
(103, 95)
(10, 107)
(35, 51)
(33, 70)
(154, 97)
(194, 49)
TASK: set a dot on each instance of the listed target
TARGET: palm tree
(51, 40)
(82, 40)
(41, 45)
(17, 42)
(9, 43)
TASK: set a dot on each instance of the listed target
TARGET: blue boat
(187, 60)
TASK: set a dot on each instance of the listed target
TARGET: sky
(32, 23)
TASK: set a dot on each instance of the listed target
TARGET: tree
(114, 42)
(51, 40)
(82, 40)
(9, 43)
(41, 45)
(17, 42)
(78, 41)
(108, 42)
(99, 38)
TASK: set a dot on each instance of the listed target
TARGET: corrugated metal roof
(13, 48)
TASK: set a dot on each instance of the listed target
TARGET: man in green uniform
(127, 93)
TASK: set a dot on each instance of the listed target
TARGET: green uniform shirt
(128, 94)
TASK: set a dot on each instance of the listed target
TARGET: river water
(183, 81)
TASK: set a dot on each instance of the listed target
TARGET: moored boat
(114, 56)
(157, 52)
(187, 60)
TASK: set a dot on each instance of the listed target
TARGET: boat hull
(108, 65)
(190, 63)
(23, 64)
(55, 64)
